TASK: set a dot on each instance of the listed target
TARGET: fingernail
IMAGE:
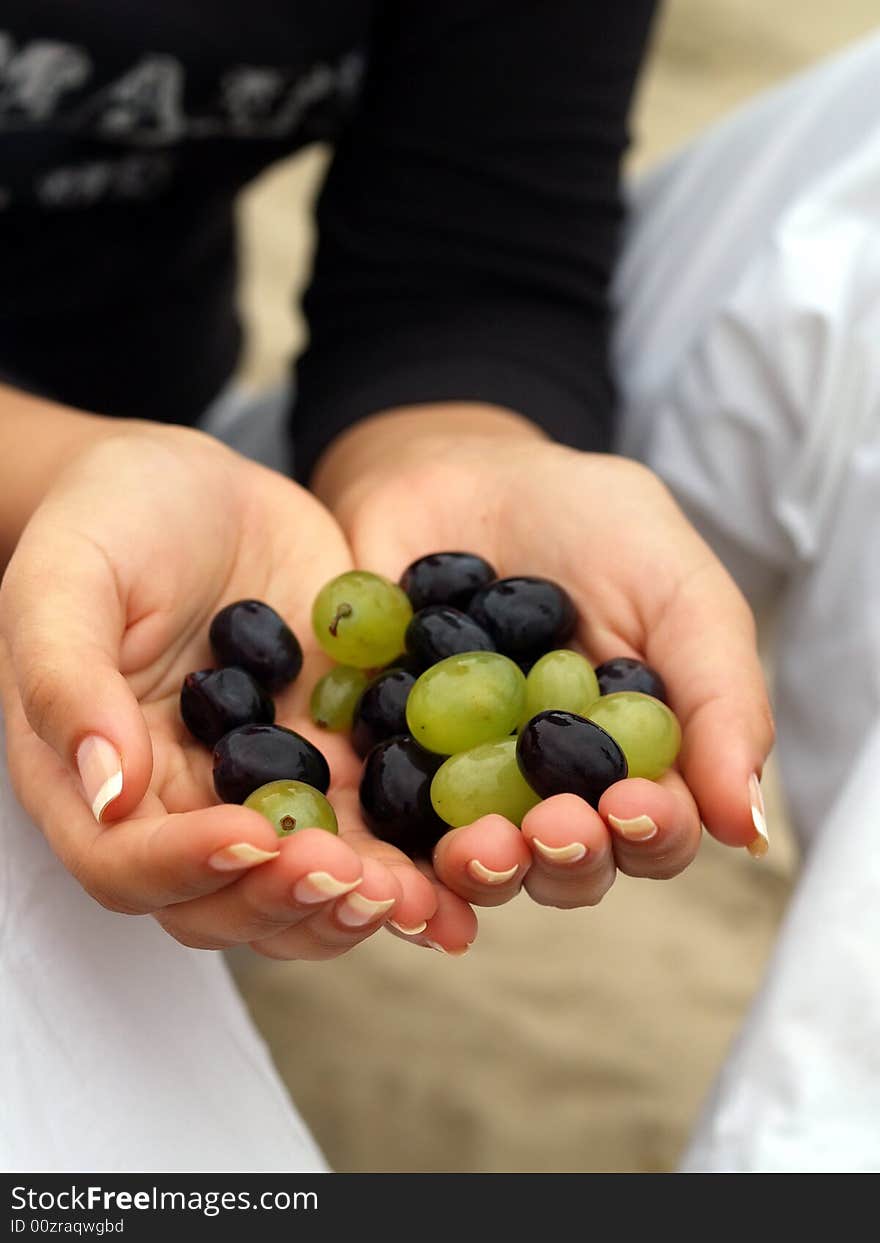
(639, 829)
(357, 910)
(479, 871)
(560, 854)
(319, 886)
(408, 932)
(100, 770)
(441, 949)
(761, 843)
(241, 855)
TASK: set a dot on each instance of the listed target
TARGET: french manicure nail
(240, 855)
(357, 910)
(760, 844)
(321, 886)
(638, 829)
(408, 932)
(441, 949)
(100, 770)
(479, 871)
(570, 853)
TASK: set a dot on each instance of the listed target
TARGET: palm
(178, 557)
(645, 585)
(284, 548)
(523, 520)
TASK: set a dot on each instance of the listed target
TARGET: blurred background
(565, 1041)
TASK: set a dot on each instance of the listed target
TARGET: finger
(572, 858)
(143, 865)
(484, 862)
(655, 825)
(312, 872)
(417, 900)
(63, 644)
(453, 927)
(705, 643)
(339, 927)
(701, 637)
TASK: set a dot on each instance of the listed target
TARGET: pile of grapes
(457, 692)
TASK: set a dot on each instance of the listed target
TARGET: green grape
(480, 781)
(646, 731)
(293, 805)
(360, 619)
(561, 681)
(465, 700)
(335, 695)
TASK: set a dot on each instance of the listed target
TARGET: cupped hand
(645, 585)
(104, 608)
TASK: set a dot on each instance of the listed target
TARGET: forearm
(361, 454)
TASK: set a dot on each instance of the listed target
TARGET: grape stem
(288, 823)
(344, 610)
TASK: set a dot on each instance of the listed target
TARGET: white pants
(749, 298)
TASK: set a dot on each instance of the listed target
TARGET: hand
(104, 608)
(645, 585)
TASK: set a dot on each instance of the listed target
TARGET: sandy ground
(567, 1041)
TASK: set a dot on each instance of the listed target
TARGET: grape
(252, 636)
(440, 631)
(214, 701)
(380, 712)
(335, 695)
(561, 753)
(562, 680)
(445, 578)
(293, 805)
(395, 795)
(360, 619)
(646, 730)
(478, 782)
(405, 661)
(625, 674)
(525, 616)
(465, 700)
(254, 755)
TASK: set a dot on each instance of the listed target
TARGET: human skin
(137, 535)
(479, 478)
(125, 515)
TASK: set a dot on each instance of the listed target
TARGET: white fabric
(746, 348)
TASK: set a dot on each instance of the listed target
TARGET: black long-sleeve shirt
(467, 227)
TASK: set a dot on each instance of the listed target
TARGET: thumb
(705, 644)
(63, 619)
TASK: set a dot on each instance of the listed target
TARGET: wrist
(385, 444)
(39, 440)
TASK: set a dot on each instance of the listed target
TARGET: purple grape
(527, 617)
(395, 796)
(405, 661)
(254, 755)
(440, 631)
(626, 674)
(445, 578)
(252, 636)
(562, 753)
(380, 712)
(214, 701)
